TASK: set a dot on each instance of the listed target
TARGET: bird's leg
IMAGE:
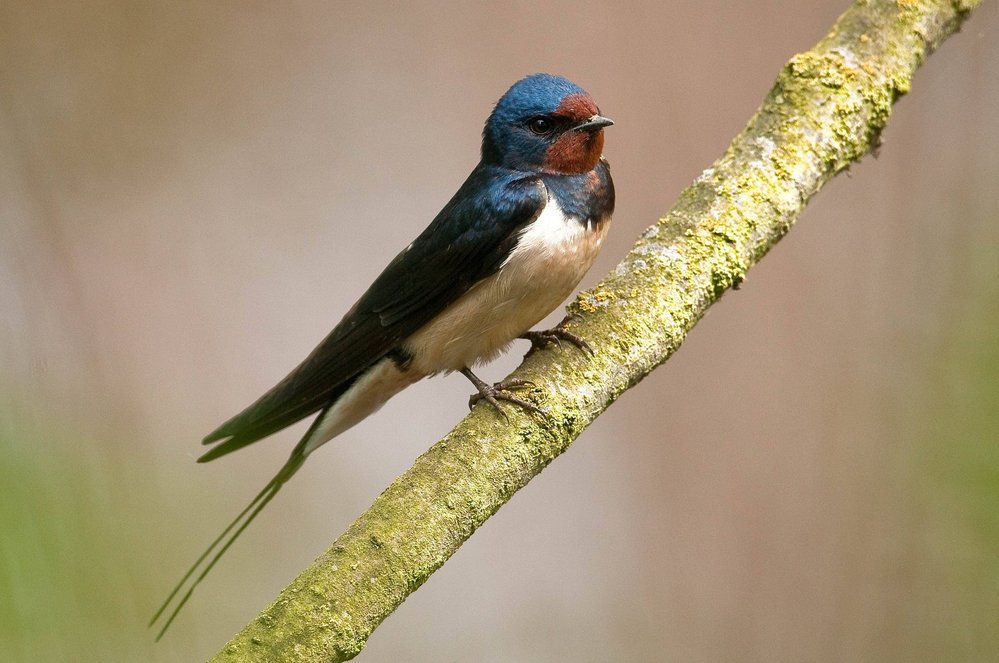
(494, 393)
(557, 334)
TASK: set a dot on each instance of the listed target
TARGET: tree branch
(826, 110)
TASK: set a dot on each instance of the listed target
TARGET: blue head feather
(506, 140)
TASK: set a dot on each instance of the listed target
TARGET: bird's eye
(541, 125)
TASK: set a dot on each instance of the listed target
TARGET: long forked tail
(239, 523)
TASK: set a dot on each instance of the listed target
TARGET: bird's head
(545, 123)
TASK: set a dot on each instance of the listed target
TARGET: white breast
(550, 259)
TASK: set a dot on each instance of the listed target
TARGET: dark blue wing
(466, 242)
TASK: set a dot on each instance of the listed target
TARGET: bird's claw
(494, 393)
(557, 334)
(497, 392)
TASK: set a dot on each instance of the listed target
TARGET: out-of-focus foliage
(957, 469)
(70, 552)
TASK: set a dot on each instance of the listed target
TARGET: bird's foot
(494, 393)
(557, 334)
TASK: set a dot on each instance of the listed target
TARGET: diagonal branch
(826, 110)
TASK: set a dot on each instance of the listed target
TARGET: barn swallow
(505, 251)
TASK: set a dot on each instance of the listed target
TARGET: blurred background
(192, 193)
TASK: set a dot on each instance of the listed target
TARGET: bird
(508, 248)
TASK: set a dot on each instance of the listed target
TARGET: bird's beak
(594, 124)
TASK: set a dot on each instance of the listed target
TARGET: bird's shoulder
(466, 242)
(493, 200)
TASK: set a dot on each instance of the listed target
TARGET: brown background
(192, 193)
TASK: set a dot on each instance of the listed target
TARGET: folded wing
(465, 243)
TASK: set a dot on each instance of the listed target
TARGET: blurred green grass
(958, 473)
(74, 558)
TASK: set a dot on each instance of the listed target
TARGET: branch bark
(826, 110)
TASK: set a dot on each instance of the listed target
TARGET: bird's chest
(550, 258)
